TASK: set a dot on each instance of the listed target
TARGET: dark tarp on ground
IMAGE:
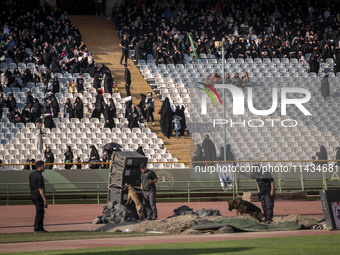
(248, 225)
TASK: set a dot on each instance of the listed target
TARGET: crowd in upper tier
(303, 29)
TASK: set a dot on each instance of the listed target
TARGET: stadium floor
(20, 218)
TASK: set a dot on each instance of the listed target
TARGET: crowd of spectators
(300, 29)
(46, 42)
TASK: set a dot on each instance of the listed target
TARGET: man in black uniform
(148, 180)
(127, 78)
(37, 187)
(265, 182)
(124, 44)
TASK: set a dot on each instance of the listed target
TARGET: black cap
(142, 165)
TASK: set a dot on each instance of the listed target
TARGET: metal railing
(96, 192)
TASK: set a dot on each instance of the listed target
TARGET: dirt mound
(302, 221)
(173, 225)
(192, 224)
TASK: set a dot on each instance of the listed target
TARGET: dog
(243, 206)
(132, 195)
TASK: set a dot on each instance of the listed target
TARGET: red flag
(217, 7)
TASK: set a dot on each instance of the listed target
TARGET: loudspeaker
(125, 169)
(330, 200)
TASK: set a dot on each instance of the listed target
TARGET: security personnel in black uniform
(265, 182)
(148, 180)
(124, 44)
(37, 187)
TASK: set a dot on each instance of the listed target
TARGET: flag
(193, 46)
(217, 7)
(41, 80)
(68, 80)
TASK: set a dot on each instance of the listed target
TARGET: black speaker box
(125, 169)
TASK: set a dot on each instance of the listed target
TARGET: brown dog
(243, 206)
(132, 195)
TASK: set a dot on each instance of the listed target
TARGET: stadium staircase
(102, 40)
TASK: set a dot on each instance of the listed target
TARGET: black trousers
(267, 203)
(127, 89)
(39, 213)
(149, 113)
(125, 53)
(150, 203)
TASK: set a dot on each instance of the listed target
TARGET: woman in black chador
(112, 108)
(322, 155)
(78, 108)
(49, 157)
(166, 118)
(325, 87)
(109, 122)
(98, 105)
(68, 109)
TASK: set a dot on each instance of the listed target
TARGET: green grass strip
(318, 244)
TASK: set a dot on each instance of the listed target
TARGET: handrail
(99, 194)
(184, 162)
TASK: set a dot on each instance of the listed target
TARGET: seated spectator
(78, 160)
(68, 157)
(3, 81)
(27, 115)
(94, 157)
(15, 116)
(49, 158)
(245, 80)
(29, 100)
(33, 166)
(105, 158)
(236, 80)
(227, 79)
(2, 103)
(27, 167)
(11, 102)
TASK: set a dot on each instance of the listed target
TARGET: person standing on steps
(150, 108)
(127, 78)
(124, 44)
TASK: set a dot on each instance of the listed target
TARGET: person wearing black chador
(11, 102)
(55, 85)
(325, 87)
(322, 155)
(29, 99)
(37, 110)
(98, 105)
(78, 108)
(180, 112)
(68, 109)
(49, 157)
(337, 156)
(109, 122)
(112, 108)
(27, 115)
(209, 149)
(48, 122)
(166, 118)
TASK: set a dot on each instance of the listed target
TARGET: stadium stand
(17, 139)
(270, 47)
